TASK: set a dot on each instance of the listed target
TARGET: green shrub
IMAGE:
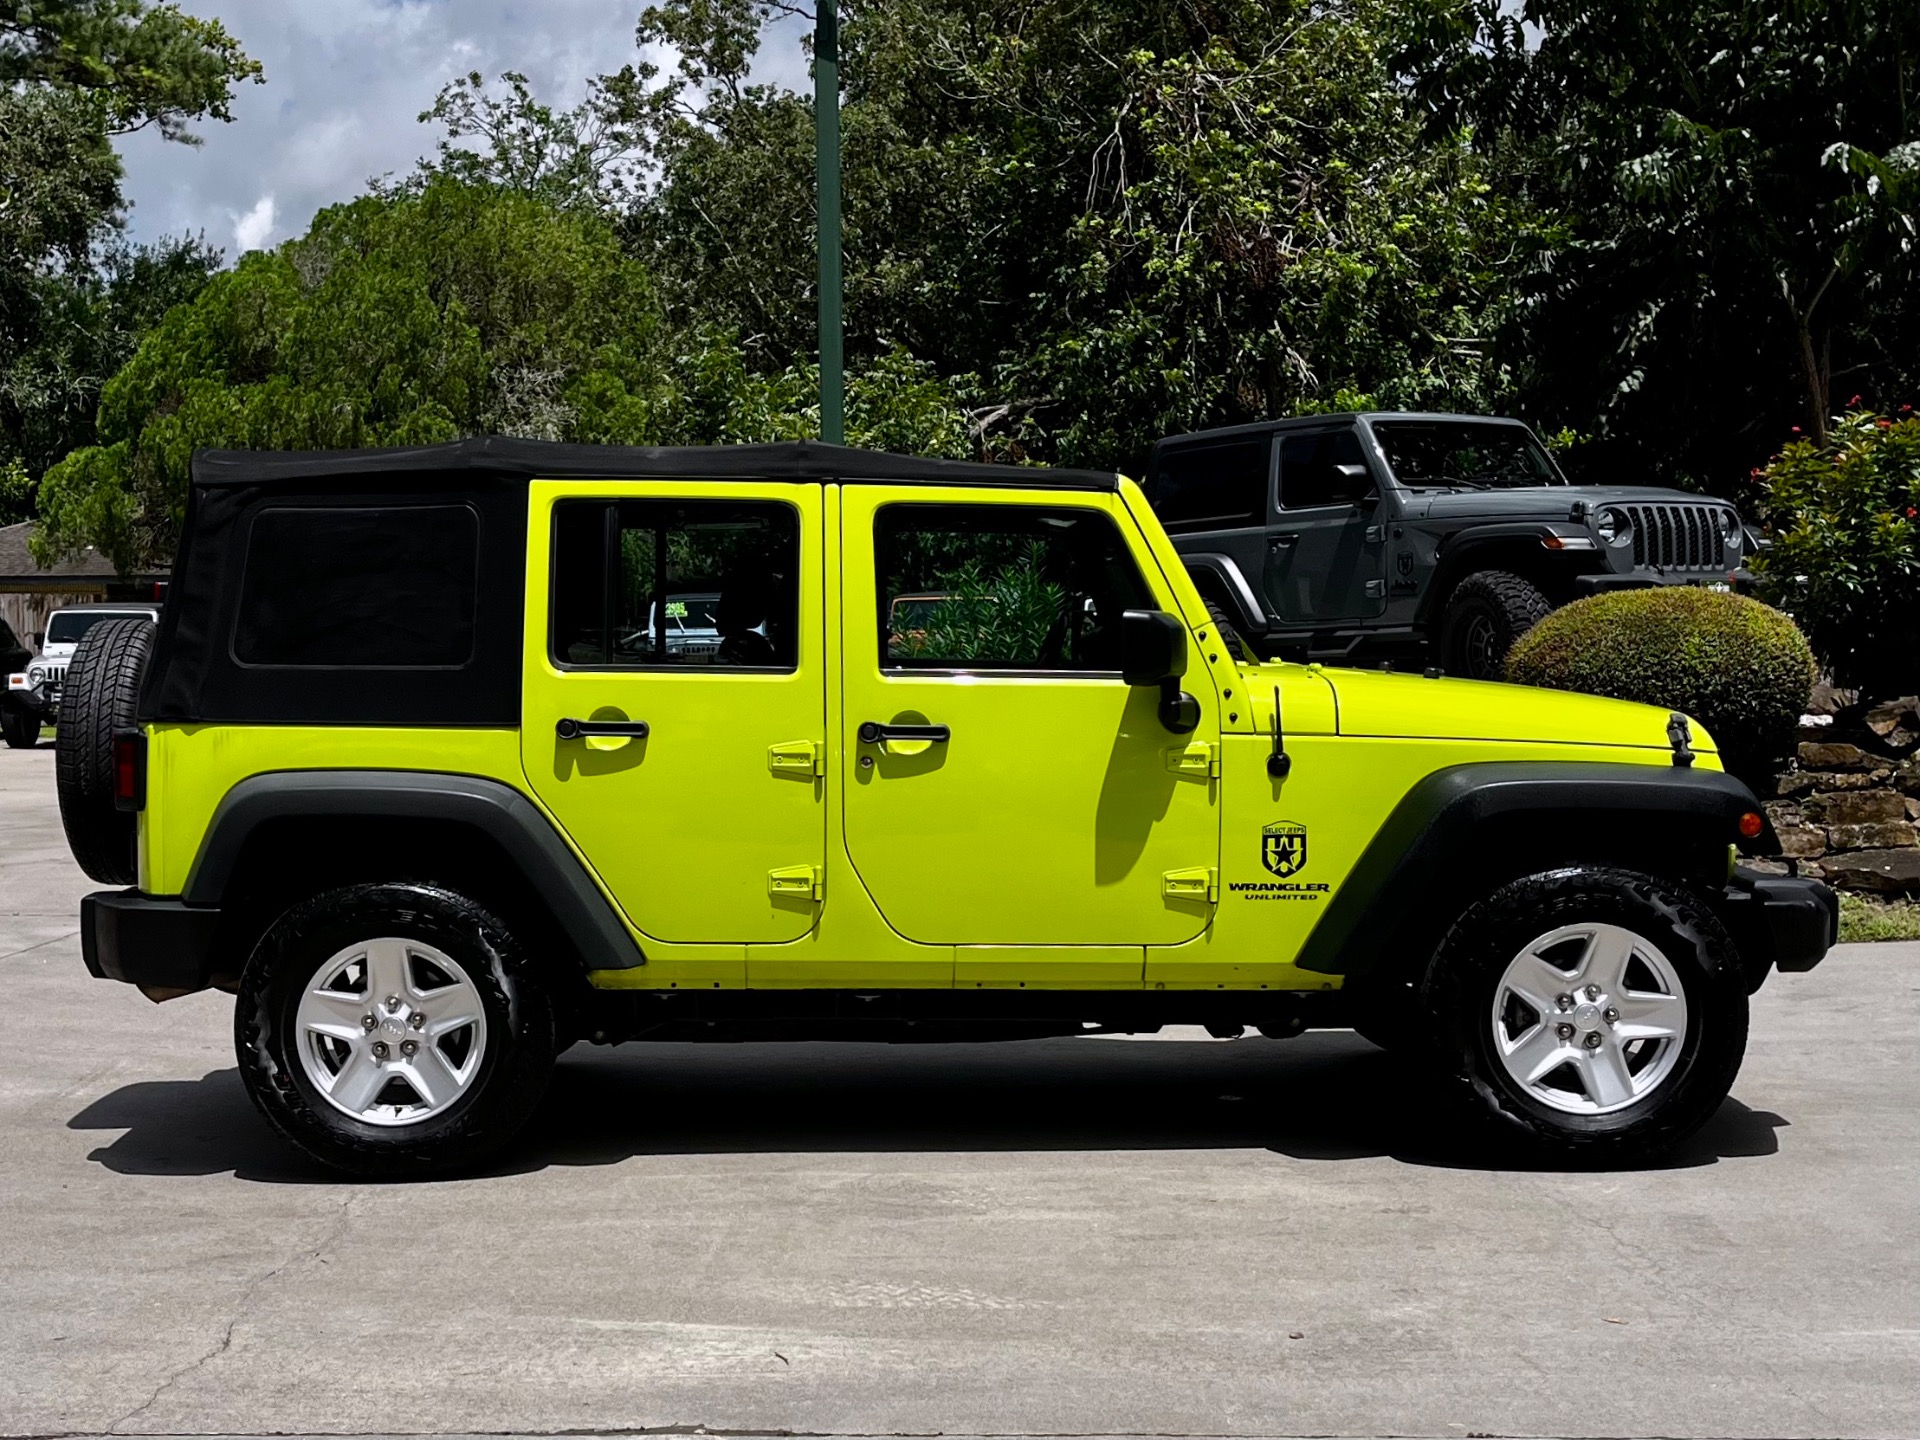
(1740, 668)
(1845, 557)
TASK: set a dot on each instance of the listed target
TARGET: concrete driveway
(1074, 1237)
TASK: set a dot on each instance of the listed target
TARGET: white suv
(33, 694)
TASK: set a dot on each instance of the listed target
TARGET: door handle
(872, 732)
(587, 729)
(1281, 542)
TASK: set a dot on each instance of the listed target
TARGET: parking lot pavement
(1051, 1237)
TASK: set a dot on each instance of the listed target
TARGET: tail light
(129, 770)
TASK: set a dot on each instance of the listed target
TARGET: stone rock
(1765, 866)
(1784, 812)
(1893, 715)
(1855, 807)
(1889, 871)
(1907, 777)
(1816, 756)
(1826, 699)
(1802, 842)
(1913, 808)
(1885, 835)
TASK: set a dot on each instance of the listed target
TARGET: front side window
(1002, 587)
(642, 583)
(1463, 454)
(1310, 474)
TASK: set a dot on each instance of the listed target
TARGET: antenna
(1279, 763)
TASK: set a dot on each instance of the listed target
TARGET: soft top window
(363, 587)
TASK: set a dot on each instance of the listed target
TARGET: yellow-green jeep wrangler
(444, 759)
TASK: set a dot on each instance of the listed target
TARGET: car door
(1042, 802)
(674, 699)
(1326, 554)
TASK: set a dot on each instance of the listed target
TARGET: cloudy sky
(345, 82)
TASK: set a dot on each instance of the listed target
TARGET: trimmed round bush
(1740, 668)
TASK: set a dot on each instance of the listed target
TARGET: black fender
(1217, 575)
(1507, 545)
(1464, 830)
(524, 835)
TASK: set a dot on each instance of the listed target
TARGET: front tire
(1486, 613)
(393, 1030)
(1595, 1015)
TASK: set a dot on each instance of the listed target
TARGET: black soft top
(504, 459)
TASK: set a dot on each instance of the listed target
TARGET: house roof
(19, 572)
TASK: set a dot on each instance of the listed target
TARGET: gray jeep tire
(1486, 613)
(100, 696)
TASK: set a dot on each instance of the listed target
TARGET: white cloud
(346, 82)
(254, 229)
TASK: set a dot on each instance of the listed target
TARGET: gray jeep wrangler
(1436, 539)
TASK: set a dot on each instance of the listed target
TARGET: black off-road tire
(1486, 613)
(99, 696)
(520, 1030)
(1460, 988)
(1229, 633)
(20, 728)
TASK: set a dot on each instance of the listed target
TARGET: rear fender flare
(1219, 575)
(502, 814)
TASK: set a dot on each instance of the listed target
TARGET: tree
(1740, 185)
(1104, 220)
(403, 319)
(73, 301)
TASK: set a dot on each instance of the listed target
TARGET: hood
(1539, 502)
(1412, 707)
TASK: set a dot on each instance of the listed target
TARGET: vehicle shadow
(1327, 1096)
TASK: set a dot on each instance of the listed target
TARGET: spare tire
(99, 697)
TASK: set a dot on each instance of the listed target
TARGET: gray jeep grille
(1675, 537)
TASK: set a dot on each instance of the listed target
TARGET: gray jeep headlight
(36, 676)
(1613, 527)
(1729, 527)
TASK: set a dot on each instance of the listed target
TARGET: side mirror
(1153, 647)
(1359, 483)
(1153, 651)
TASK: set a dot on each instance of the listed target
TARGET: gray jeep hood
(1542, 502)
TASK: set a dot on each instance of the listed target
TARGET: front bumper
(1780, 922)
(35, 699)
(153, 943)
(1740, 581)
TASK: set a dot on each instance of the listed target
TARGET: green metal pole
(826, 135)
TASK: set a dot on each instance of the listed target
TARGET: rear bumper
(1780, 922)
(154, 943)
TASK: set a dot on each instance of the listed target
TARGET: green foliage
(407, 319)
(1845, 558)
(1738, 667)
(1001, 612)
(1866, 918)
(139, 64)
(1738, 186)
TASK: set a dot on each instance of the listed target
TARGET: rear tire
(100, 695)
(1486, 613)
(1229, 634)
(20, 728)
(1593, 1015)
(393, 1030)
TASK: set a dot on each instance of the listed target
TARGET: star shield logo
(1283, 848)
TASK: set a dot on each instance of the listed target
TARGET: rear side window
(1002, 587)
(1216, 486)
(642, 583)
(1309, 473)
(374, 587)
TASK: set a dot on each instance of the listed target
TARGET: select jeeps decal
(1283, 850)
